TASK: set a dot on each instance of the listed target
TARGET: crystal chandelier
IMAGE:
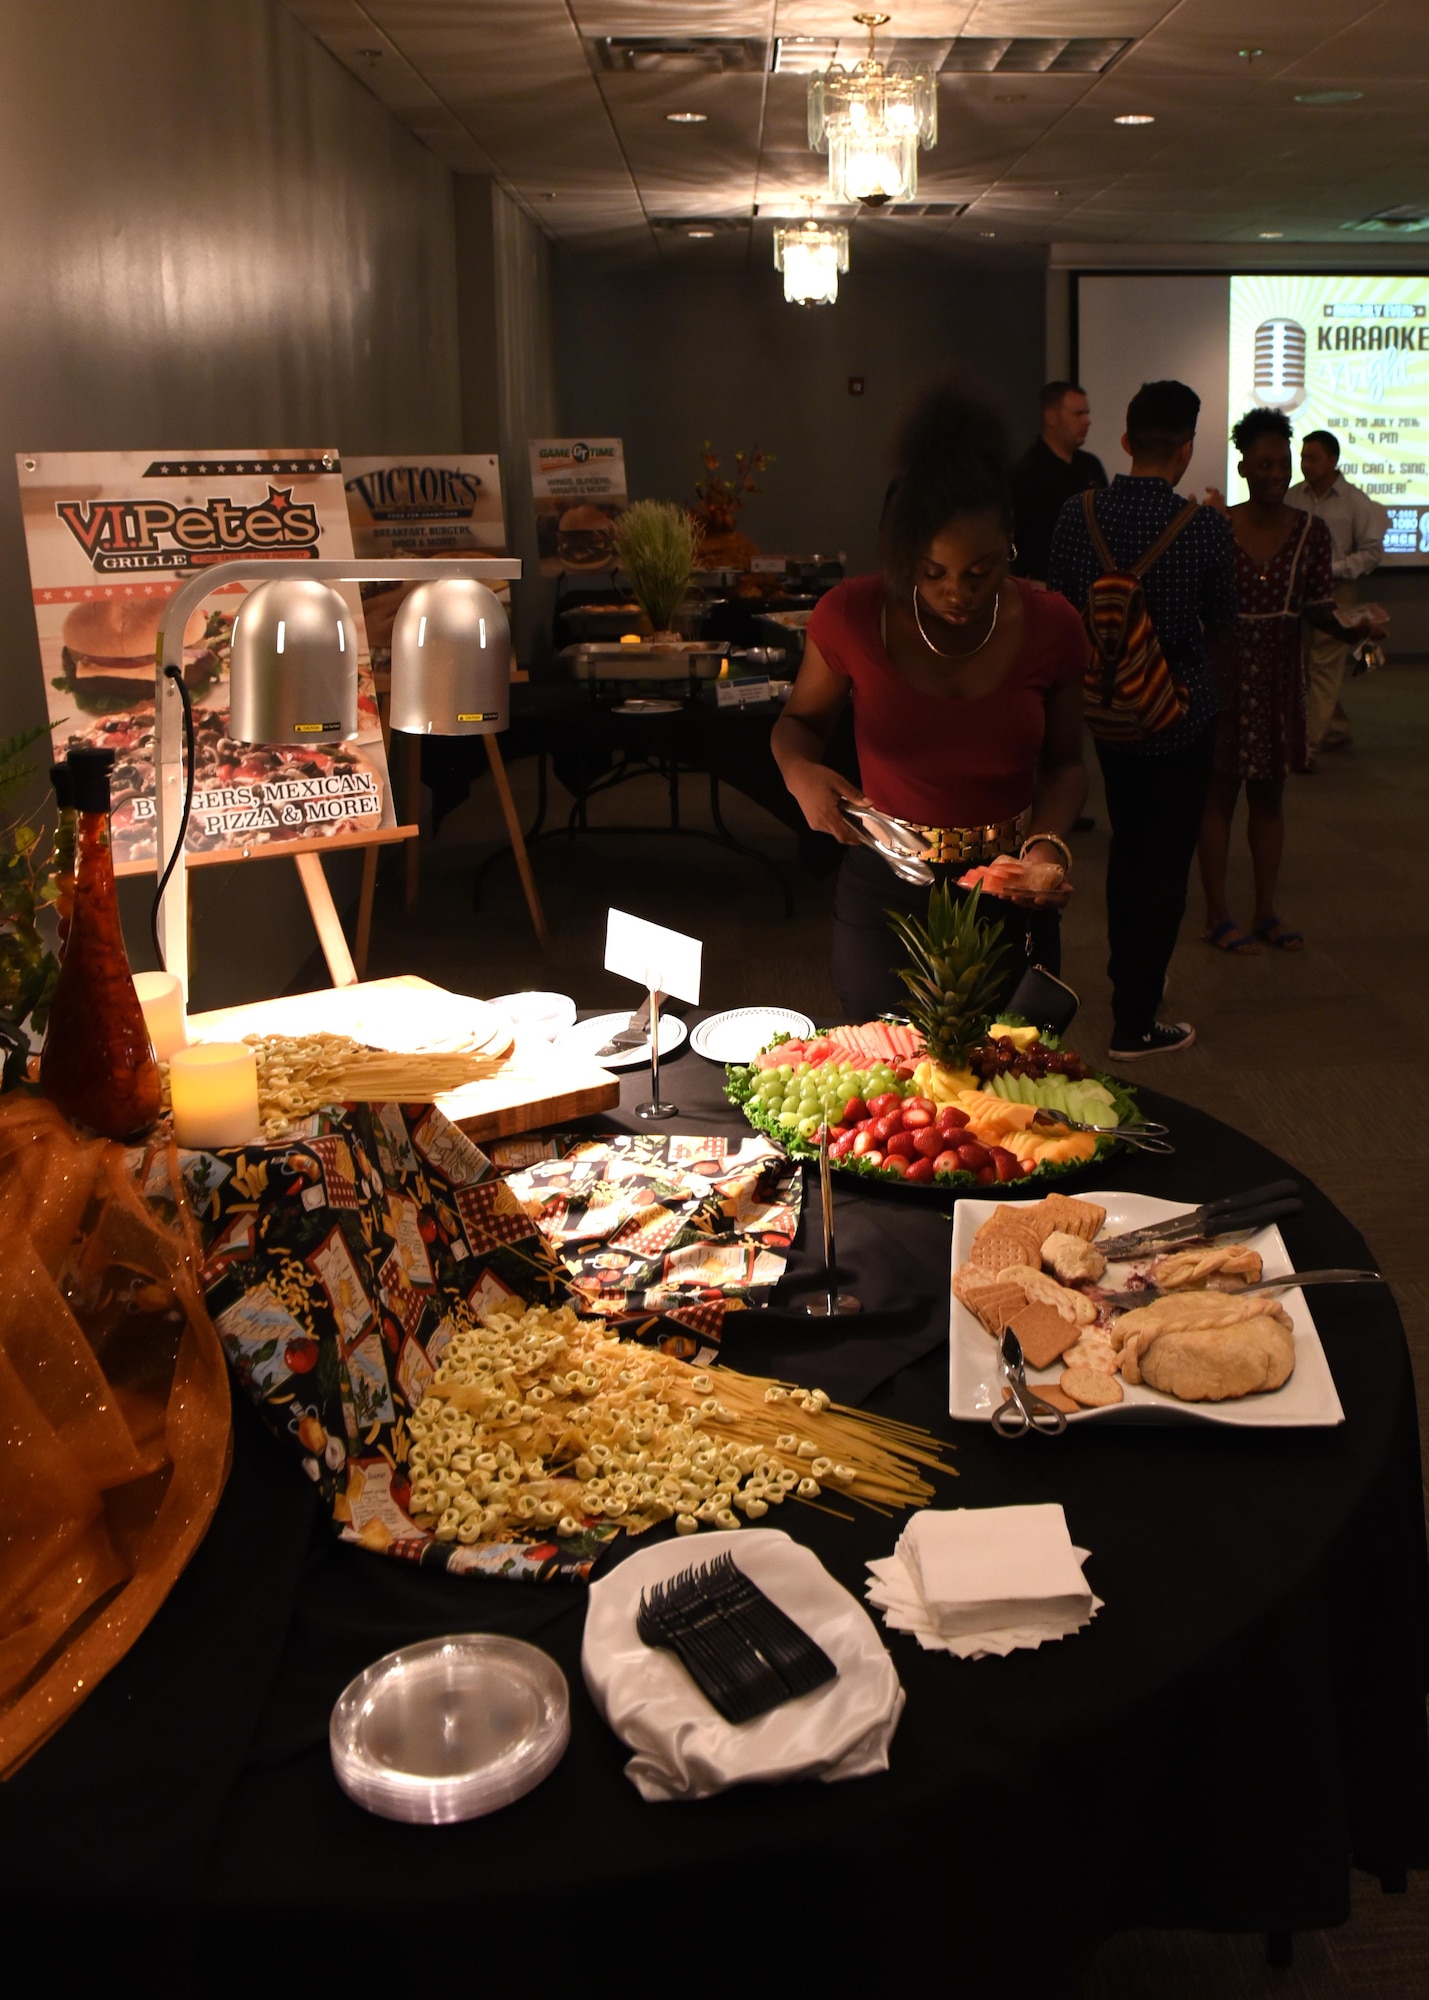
(811, 255)
(871, 120)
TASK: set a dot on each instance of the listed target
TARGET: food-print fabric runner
(339, 1263)
(662, 1234)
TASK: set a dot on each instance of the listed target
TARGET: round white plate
(738, 1035)
(451, 1728)
(588, 1037)
(546, 1014)
(651, 707)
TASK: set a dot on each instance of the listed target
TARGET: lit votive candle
(214, 1090)
(162, 998)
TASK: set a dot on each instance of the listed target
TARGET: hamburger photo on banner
(108, 645)
(580, 537)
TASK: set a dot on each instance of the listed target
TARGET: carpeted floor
(1320, 1055)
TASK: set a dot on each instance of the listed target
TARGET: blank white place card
(664, 961)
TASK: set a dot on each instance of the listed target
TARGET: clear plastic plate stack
(450, 1729)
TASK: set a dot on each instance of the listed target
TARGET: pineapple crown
(955, 974)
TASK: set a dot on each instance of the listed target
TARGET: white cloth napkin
(683, 1748)
(978, 1580)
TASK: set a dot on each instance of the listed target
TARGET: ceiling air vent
(708, 225)
(1033, 55)
(1405, 220)
(678, 55)
(897, 208)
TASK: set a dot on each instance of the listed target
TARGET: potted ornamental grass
(657, 545)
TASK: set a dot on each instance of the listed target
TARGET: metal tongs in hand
(902, 850)
(1026, 1410)
(1233, 1213)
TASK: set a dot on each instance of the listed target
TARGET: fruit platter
(958, 1096)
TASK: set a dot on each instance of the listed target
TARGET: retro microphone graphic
(1280, 363)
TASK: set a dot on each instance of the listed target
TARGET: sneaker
(1164, 1038)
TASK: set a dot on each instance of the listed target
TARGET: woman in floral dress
(1283, 579)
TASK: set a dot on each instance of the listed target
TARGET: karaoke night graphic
(1348, 355)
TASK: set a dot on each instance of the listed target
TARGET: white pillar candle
(162, 998)
(214, 1089)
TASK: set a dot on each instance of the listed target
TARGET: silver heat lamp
(451, 660)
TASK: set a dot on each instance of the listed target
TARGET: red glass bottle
(66, 843)
(97, 1064)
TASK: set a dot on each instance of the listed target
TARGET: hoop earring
(1012, 552)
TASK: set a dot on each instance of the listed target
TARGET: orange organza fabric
(114, 1416)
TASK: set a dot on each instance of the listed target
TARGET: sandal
(1278, 937)
(1227, 935)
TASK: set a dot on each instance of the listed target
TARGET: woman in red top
(966, 684)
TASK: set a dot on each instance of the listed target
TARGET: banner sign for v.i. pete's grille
(110, 537)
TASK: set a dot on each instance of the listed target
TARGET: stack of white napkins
(976, 1580)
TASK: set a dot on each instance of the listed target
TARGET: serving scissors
(1026, 1411)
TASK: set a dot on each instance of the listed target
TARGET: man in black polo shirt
(1155, 788)
(1052, 472)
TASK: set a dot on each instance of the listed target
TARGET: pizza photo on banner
(110, 537)
(445, 505)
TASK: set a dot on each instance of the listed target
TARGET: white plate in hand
(975, 1370)
(588, 1038)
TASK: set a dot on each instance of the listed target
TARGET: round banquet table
(1242, 1721)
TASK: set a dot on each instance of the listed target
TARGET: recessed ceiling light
(1271, 235)
(987, 232)
(1135, 118)
(687, 117)
(1328, 96)
(699, 235)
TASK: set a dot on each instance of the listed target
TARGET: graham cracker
(1044, 1334)
(1050, 1393)
(1071, 1216)
(997, 1303)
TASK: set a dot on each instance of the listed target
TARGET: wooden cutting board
(536, 1085)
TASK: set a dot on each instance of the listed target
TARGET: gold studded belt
(947, 844)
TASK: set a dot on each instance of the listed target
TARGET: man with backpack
(1150, 572)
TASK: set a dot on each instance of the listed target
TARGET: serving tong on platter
(1292, 1281)
(1146, 1138)
(1232, 1213)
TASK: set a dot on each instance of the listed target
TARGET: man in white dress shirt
(1356, 524)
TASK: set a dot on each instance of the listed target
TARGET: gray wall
(211, 235)
(668, 358)
(508, 378)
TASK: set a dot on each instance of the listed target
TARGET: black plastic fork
(746, 1655)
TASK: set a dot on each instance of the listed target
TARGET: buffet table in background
(1243, 1720)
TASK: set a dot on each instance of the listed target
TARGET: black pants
(1154, 804)
(867, 955)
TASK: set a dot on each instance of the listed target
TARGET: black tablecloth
(1244, 1718)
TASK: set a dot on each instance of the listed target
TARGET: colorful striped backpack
(1130, 691)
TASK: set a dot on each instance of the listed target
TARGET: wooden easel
(345, 966)
(411, 801)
